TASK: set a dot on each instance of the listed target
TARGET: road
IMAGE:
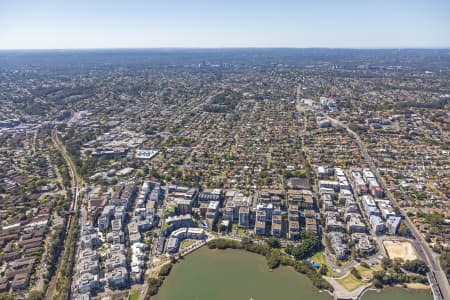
(442, 287)
(76, 184)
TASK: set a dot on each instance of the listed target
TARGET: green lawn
(350, 282)
(342, 263)
(186, 243)
(102, 249)
(365, 273)
(368, 272)
(164, 225)
(134, 295)
(169, 210)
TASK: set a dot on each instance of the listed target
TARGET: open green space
(134, 295)
(350, 282)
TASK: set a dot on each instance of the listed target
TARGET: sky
(64, 24)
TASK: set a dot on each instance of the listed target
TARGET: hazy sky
(37, 24)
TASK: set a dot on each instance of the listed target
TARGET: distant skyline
(77, 24)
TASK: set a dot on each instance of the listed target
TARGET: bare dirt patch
(400, 249)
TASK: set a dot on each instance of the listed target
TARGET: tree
(36, 295)
(386, 263)
(403, 230)
(299, 252)
(378, 283)
(288, 249)
(445, 262)
(310, 244)
(379, 275)
(6, 296)
(273, 259)
(153, 286)
(364, 265)
(273, 242)
(416, 266)
(323, 270)
(165, 270)
(355, 273)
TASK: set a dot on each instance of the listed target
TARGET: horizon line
(228, 48)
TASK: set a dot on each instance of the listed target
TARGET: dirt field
(398, 249)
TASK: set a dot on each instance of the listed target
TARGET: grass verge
(134, 295)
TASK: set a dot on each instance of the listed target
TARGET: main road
(441, 289)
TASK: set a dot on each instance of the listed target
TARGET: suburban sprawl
(115, 165)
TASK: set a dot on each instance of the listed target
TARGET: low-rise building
(311, 224)
(370, 206)
(103, 222)
(339, 245)
(115, 261)
(328, 205)
(87, 283)
(116, 225)
(355, 223)
(329, 184)
(118, 278)
(363, 244)
(173, 244)
(90, 241)
(115, 249)
(179, 221)
(115, 237)
(86, 265)
(333, 222)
